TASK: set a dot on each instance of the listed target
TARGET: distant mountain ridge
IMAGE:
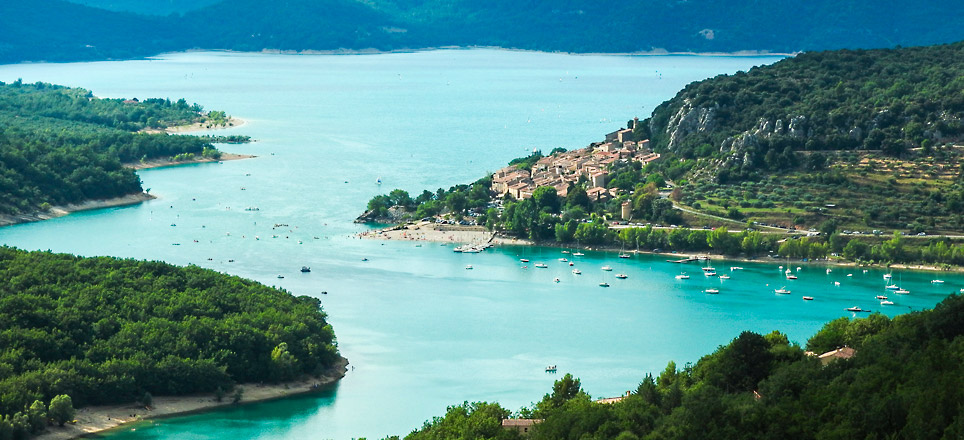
(50, 30)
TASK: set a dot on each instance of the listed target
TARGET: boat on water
(281, 276)
(622, 276)
(854, 309)
(836, 283)
(565, 252)
(791, 277)
(724, 277)
(808, 298)
(305, 269)
(607, 268)
(886, 303)
(378, 181)
(624, 255)
(564, 260)
(881, 297)
(603, 284)
(468, 267)
(892, 287)
(937, 281)
(542, 265)
(684, 276)
(732, 268)
(902, 291)
(712, 291)
(571, 264)
(556, 280)
(782, 291)
(828, 270)
(850, 274)
(551, 369)
(524, 260)
(577, 254)
(888, 276)
(710, 274)
(576, 271)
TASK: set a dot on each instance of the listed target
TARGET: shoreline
(429, 232)
(162, 163)
(372, 51)
(62, 210)
(98, 419)
(232, 122)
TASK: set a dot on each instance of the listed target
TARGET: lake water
(422, 332)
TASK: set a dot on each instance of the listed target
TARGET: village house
(562, 170)
(611, 400)
(521, 425)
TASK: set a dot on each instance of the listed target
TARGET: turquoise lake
(420, 331)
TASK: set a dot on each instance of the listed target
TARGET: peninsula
(64, 150)
(112, 334)
(788, 158)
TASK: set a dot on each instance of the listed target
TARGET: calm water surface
(422, 332)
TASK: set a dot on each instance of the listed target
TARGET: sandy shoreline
(232, 122)
(161, 163)
(430, 232)
(371, 51)
(62, 210)
(96, 419)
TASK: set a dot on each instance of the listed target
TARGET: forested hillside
(105, 330)
(57, 30)
(62, 145)
(904, 381)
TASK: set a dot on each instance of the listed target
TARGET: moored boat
(782, 291)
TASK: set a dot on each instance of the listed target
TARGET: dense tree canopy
(106, 330)
(62, 145)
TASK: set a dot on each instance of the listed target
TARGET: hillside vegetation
(62, 145)
(57, 30)
(902, 382)
(851, 129)
(105, 330)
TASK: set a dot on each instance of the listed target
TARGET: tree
(284, 365)
(723, 242)
(147, 399)
(238, 395)
(546, 199)
(37, 414)
(62, 409)
(562, 391)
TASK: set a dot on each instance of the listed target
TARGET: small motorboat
(524, 260)
(736, 268)
(564, 260)
(808, 298)
(565, 252)
(621, 276)
(854, 309)
(684, 276)
(724, 277)
(551, 369)
(576, 271)
(937, 281)
(782, 291)
(881, 297)
(791, 276)
(603, 284)
(886, 303)
(892, 287)
(542, 265)
(555, 280)
(902, 291)
(305, 269)
(712, 291)
(577, 254)
(624, 255)
(607, 268)
(571, 264)
(281, 276)
(468, 267)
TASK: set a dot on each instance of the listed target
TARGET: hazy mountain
(148, 7)
(52, 29)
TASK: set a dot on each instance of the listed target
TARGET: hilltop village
(561, 170)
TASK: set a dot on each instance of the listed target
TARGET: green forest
(62, 145)
(904, 381)
(57, 30)
(107, 330)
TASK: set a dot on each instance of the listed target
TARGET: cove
(421, 331)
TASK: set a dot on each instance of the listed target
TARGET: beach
(62, 210)
(232, 122)
(160, 163)
(93, 419)
(440, 233)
